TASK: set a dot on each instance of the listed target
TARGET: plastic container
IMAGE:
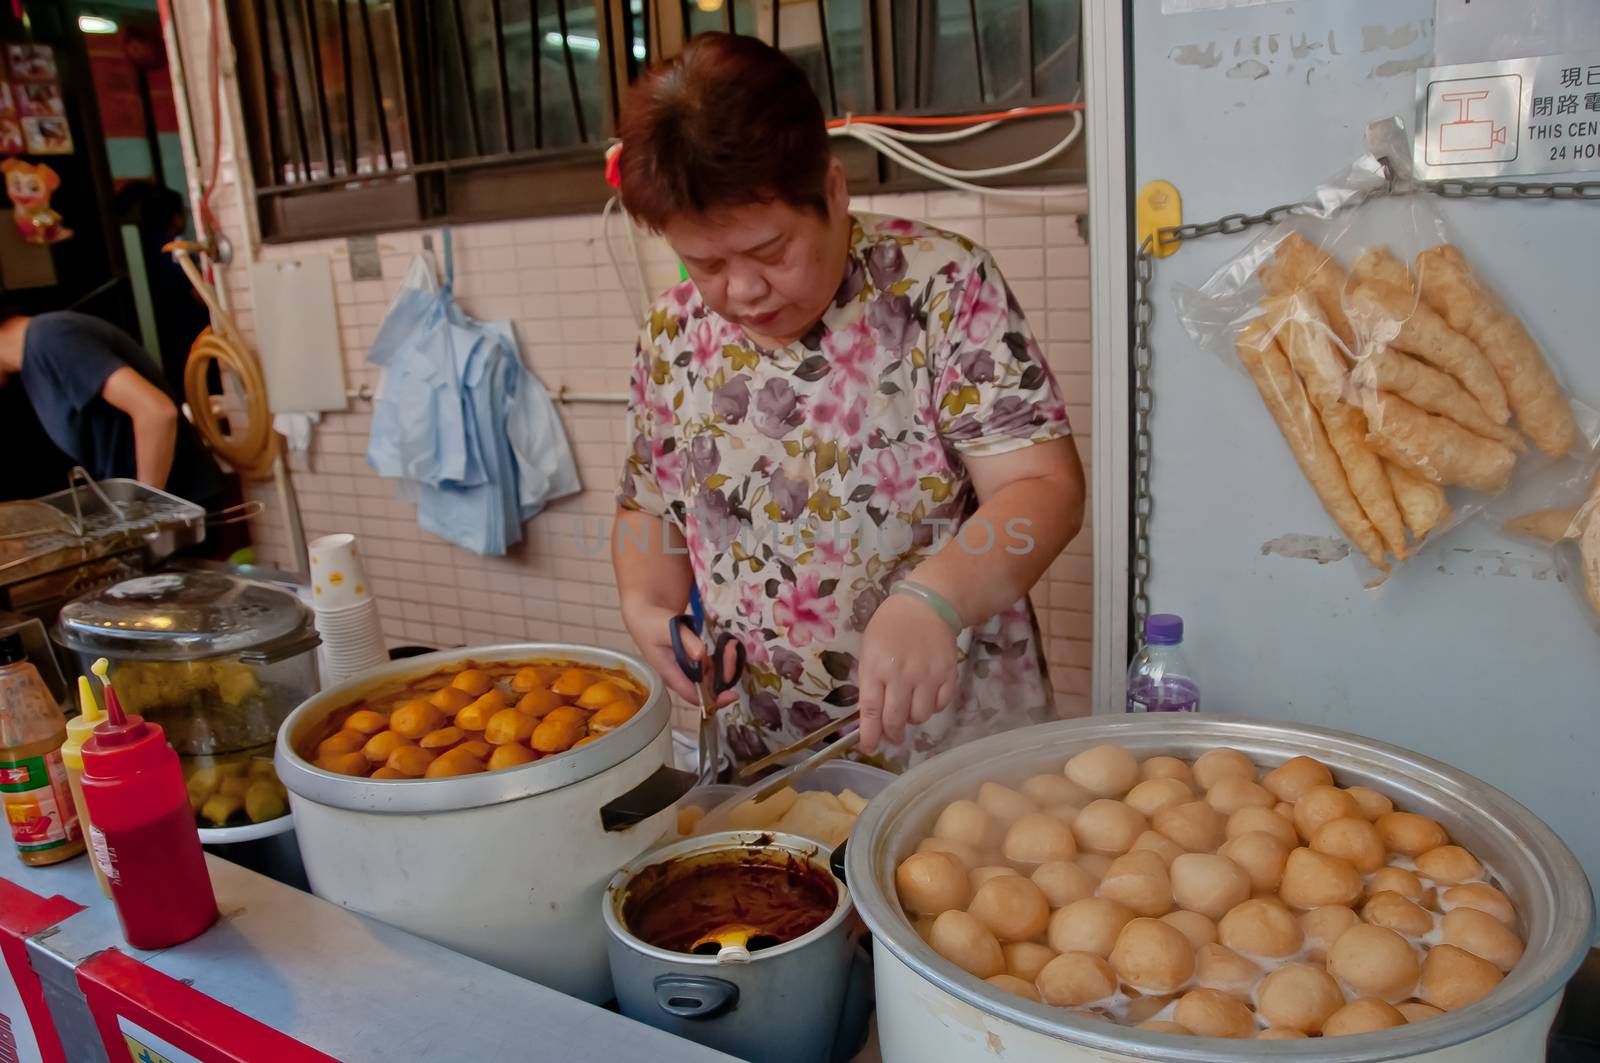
(33, 778)
(79, 728)
(217, 661)
(143, 831)
(833, 776)
(1160, 679)
(338, 573)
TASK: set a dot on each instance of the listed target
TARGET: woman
(843, 431)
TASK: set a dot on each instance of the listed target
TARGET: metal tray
(106, 530)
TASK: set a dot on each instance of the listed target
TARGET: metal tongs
(838, 747)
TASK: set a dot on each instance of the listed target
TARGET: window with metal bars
(373, 115)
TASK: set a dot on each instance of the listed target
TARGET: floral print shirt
(808, 480)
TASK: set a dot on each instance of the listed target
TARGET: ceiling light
(96, 24)
(591, 45)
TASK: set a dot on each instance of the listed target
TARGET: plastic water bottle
(1160, 680)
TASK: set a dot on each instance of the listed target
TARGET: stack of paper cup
(346, 612)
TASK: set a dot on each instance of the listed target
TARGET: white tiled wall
(553, 279)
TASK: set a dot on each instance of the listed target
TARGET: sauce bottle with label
(78, 730)
(33, 779)
(143, 832)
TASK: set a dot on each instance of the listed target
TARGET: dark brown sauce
(674, 904)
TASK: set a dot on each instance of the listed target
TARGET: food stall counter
(282, 975)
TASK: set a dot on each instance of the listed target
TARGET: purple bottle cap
(1163, 629)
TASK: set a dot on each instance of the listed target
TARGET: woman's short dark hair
(730, 122)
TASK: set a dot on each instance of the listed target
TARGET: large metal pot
(930, 1009)
(778, 1005)
(506, 866)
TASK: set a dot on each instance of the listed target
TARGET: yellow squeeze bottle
(79, 728)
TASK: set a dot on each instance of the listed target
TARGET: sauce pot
(781, 1004)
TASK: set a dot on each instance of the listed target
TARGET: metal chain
(1230, 225)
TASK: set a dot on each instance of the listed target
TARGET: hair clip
(614, 165)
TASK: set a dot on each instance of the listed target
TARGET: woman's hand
(649, 627)
(908, 668)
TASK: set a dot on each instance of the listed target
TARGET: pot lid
(180, 616)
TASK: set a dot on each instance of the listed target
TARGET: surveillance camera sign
(1519, 116)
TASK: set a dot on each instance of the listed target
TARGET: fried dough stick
(1286, 400)
(1386, 315)
(1422, 504)
(1297, 264)
(1384, 369)
(1546, 525)
(1379, 264)
(1306, 338)
(1472, 308)
(1434, 448)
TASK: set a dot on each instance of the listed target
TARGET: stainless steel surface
(1539, 872)
(124, 512)
(710, 765)
(82, 543)
(467, 791)
(289, 508)
(709, 746)
(750, 770)
(782, 1004)
(80, 1038)
(306, 967)
(172, 616)
(787, 777)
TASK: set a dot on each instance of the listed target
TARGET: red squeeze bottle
(143, 834)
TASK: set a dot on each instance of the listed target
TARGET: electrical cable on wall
(883, 134)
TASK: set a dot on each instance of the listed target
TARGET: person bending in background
(102, 404)
(842, 431)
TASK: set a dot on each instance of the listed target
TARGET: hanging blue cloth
(468, 431)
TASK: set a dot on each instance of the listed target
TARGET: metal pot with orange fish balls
(1210, 893)
(423, 778)
(474, 716)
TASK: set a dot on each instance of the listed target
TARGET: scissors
(711, 681)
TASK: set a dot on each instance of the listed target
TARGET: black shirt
(34, 466)
(66, 360)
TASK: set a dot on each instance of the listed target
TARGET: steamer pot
(930, 1009)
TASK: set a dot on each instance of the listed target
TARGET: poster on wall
(33, 113)
(11, 139)
(47, 136)
(39, 99)
(31, 62)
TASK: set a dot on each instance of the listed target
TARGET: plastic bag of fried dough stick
(1558, 509)
(1362, 312)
